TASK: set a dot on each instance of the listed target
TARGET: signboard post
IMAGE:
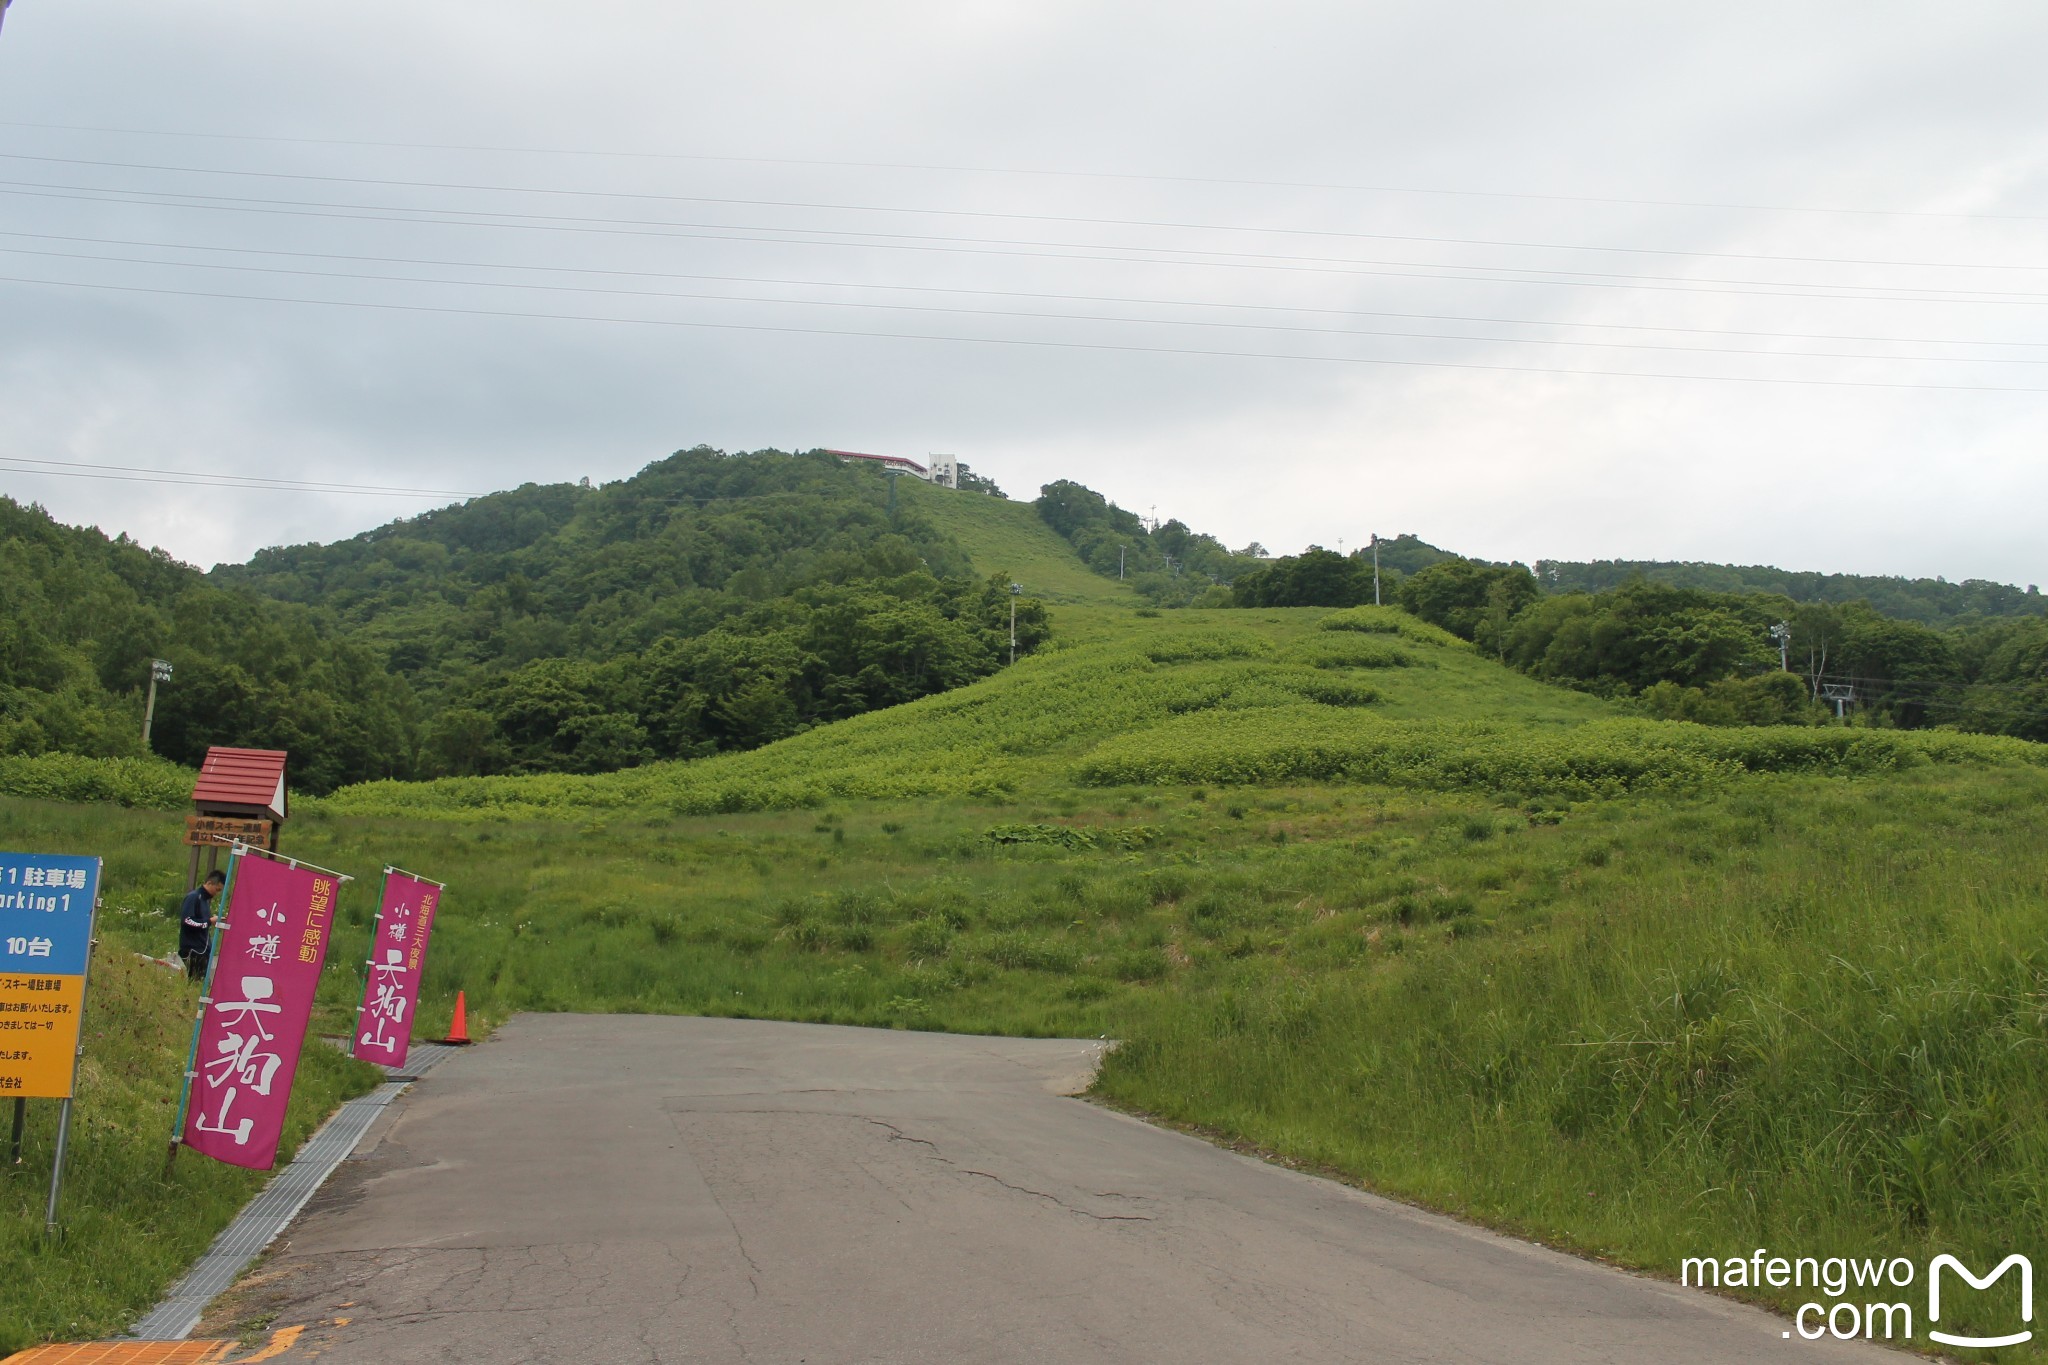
(238, 799)
(47, 907)
(256, 1005)
(398, 954)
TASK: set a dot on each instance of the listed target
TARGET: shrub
(1139, 964)
(1601, 758)
(1336, 692)
(1023, 952)
(150, 783)
(929, 938)
(1060, 836)
(1390, 621)
(1336, 651)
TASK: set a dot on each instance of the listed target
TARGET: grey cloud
(1876, 106)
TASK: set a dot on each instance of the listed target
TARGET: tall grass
(1806, 1016)
(1648, 989)
(1028, 728)
(126, 1231)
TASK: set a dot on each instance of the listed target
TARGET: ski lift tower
(1782, 633)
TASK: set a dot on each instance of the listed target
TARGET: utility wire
(996, 215)
(1023, 341)
(1039, 172)
(1021, 293)
(1926, 684)
(80, 469)
(990, 246)
(1021, 313)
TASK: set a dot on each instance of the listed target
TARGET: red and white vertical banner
(266, 967)
(398, 954)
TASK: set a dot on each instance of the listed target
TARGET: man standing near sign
(195, 925)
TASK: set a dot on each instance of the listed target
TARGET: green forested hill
(710, 603)
(1716, 643)
(1931, 601)
(716, 602)
(81, 616)
(1211, 697)
(548, 570)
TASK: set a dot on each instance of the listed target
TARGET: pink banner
(266, 967)
(391, 995)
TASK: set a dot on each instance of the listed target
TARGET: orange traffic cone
(458, 1029)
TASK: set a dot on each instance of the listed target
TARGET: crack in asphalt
(898, 1135)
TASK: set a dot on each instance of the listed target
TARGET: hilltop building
(944, 470)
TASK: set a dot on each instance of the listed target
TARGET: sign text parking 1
(46, 919)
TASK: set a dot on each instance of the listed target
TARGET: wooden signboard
(222, 829)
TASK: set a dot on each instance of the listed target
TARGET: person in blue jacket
(195, 925)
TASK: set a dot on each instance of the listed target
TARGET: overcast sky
(1293, 274)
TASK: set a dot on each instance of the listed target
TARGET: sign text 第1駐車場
(46, 916)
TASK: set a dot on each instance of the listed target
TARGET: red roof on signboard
(242, 777)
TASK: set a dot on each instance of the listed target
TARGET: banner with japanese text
(391, 992)
(46, 915)
(266, 967)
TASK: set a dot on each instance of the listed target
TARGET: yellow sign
(39, 1018)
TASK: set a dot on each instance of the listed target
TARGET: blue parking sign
(46, 912)
(46, 916)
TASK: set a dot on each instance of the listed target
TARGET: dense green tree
(821, 654)
(1470, 598)
(1314, 578)
(1908, 672)
(82, 615)
(1637, 636)
(1774, 698)
(2008, 694)
(1169, 564)
(463, 741)
(971, 482)
(1930, 601)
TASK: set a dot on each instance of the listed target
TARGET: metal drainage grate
(272, 1210)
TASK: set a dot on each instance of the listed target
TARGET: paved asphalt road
(646, 1189)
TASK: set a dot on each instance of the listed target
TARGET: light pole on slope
(1015, 588)
(159, 670)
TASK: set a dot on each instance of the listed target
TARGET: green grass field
(1009, 538)
(127, 1231)
(1789, 1011)
(1348, 893)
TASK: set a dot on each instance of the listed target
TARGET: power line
(1043, 173)
(990, 246)
(1928, 684)
(1017, 313)
(990, 214)
(1023, 341)
(1029, 294)
(80, 469)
